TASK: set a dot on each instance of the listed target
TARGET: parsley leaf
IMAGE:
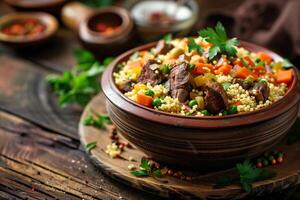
(221, 43)
(90, 146)
(97, 121)
(139, 173)
(168, 38)
(193, 46)
(81, 83)
(146, 170)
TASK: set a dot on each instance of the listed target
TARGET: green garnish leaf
(81, 83)
(157, 173)
(226, 86)
(165, 69)
(193, 46)
(221, 43)
(146, 170)
(192, 66)
(168, 38)
(97, 121)
(233, 109)
(286, 64)
(145, 165)
(140, 173)
(90, 146)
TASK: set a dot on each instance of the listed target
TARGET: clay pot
(23, 41)
(51, 6)
(201, 142)
(107, 45)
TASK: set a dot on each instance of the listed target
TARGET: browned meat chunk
(261, 91)
(180, 82)
(127, 86)
(150, 73)
(246, 85)
(163, 48)
(215, 97)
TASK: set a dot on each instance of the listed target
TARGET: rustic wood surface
(40, 153)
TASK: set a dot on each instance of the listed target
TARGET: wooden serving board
(202, 185)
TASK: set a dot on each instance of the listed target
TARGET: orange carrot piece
(250, 62)
(284, 76)
(202, 68)
(224, 69)
(238, 62)
(265, 57)
(243, 72)
(144, 100)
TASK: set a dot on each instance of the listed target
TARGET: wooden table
(40, 154)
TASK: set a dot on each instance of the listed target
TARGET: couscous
(203, 76)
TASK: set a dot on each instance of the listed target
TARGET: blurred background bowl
(50, 23)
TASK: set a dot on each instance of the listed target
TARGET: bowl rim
(48, 20)
(115, 96)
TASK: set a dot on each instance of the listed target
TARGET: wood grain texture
(38, 164)
(201, 187)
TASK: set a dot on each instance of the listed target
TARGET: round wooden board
(202, 186)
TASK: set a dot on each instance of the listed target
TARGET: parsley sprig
(247, 175)
(98, 121)
(81, 83)
(90, 146)
(194, 46)
(221, 43)
(147, 170)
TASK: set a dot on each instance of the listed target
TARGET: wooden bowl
(201, 142)
(52, 6)
(23, 41)
(104, 45)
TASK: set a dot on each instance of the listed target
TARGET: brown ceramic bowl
(23, 41)
(202, 142)
(104, 45)
(52, 6)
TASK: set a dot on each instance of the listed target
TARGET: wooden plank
(24, 92)
(31, 157)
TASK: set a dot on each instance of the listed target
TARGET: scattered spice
(273, 158)
(24, 27)
(113, 150)
(131, 167)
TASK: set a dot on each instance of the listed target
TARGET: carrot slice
(243, 72)
(250, 62)
(224, 69)
(144, 100)
(284, 76)
(202, 68)
(265, 57)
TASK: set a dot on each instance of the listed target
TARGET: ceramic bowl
(104, 45)
(23, 41)
(52, 6)
(201, 142)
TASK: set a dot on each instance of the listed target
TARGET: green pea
(232, 109)
(263, 80)
(165, 69)
(192, 66)
(205, 112)
(226, 86)
(192, 103)
(156, 103)
(149, 93)
(224, 113)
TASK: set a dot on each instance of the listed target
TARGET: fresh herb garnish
(193, 46)
(247, 175)
(286, 64)
(165, 69)
(221, 43)
(294, 133)
(81, 83)
(168, 38)
(97, 121)
(147, 170)
(98, 3)
(90, 146)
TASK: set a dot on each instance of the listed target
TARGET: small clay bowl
(186, 16)
(104, 45)
(52, 6)
(201, 142)
(48, 20)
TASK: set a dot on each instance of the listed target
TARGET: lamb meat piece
(148, 74)
(180, 82)
(216, 99)
(261, 91)
(163, 48)
(246, 85)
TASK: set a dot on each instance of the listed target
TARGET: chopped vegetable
(243, 73)
(286, 64)
(168, 38)
(149, 93)
(144, 100)
(205, 112)
(202, 68)
(156, 103)
(193, 103)
(224, 69)
(265, 57)
(165, 69)
(226, 86)
(284, 76)
(233, 109)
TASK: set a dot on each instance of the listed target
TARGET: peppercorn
(273, 162)
(280, 160)
(170, 172)
(259, 165)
